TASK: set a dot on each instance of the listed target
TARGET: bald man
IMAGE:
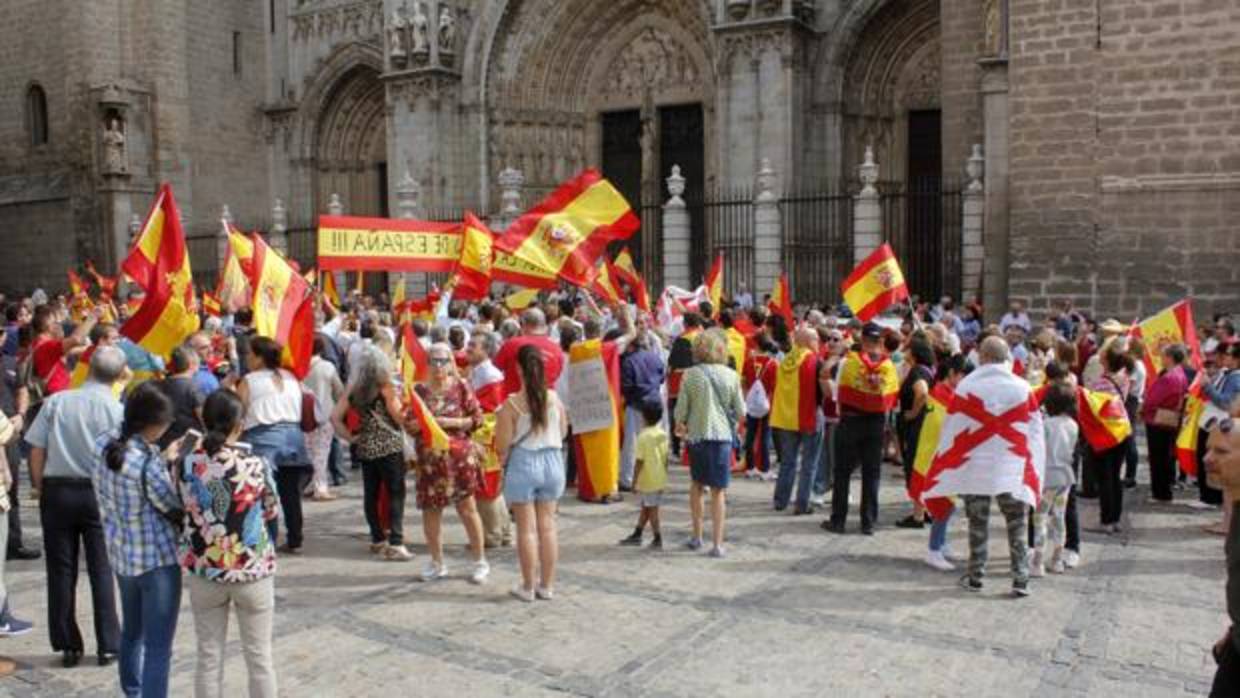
(795, 421)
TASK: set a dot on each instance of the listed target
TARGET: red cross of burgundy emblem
(988, 426)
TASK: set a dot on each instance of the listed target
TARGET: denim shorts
(534, 475)
(710, 463)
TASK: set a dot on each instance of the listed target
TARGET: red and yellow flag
(927, 443)
(1190, 427)
(473, 269)
(598, 452)
(1103, 419)
(159, 264)
(626, 271)
(605, 285)
(77, 287)
(868, 385)
(781, 301)
(714, 283)
(332, 295)
(282, 302)
(875, 285)
(107, 285)
(415, 365)
(398, 295)
(434, 438)
(794, 404)
(233, 288)
(569, 230)
(1173, 325)
(211, 304)
(520, 300)
(640, 295)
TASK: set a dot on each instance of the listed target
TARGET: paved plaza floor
(791, 611)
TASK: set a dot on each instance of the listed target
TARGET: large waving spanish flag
(781, 301)
(714, 283)
(875, 285)
(569, 230)
(1190, 427)
(937, 403)
(473, 270)
(283, 302)
(1173, 325)
(868, 385)
(626, 271)
(1103, 419)
(159, 264)
(794, 406)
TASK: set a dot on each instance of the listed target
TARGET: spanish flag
(415, 366)
(159, 264)
(570, 229)
(398, 295)
(875, 285)
(1173, 325)
(714, 283)
(794, 405)
(434, 438)
(781, 301)
(283, 302)
(77, 287)
(738, 348)
(1190, 427)
(332, 295)
(605, 285)
(598, 452)
(233, 288)
(937, 402)
(473, 269)
(626, 271)
(1104, 422)
(868, 385)
(640, 295)
(107, 285)
(211, 304)
(520, 300)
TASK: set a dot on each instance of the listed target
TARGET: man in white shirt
(1016, 315)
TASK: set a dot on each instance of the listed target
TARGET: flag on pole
(714, 284)
(398, 295)
(1173, 325)
(415, 365)
(107, 285)
(626, 271)
(282, 302)
(473, 269)
(329, 288)
(875, 285)
(77, 287)
(781, 301)
(233, 288)
(569, 230)
(1103, 419)
(413, 370)
(641, 296)
(361, 282)
(520, 300)
(434, 438)
(211, 304)
(605, 286)
(159, 264)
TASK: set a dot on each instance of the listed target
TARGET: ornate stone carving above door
(653, 60)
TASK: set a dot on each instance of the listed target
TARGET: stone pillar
(278, 236)
(867, 213)
(226, 223)
(408, 206)
(135, 227)
(767, 234)
(676, 235)
(972, 223)
(335, 206)
(996, 240)
(510, 182)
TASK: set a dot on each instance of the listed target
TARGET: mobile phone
(193, 434)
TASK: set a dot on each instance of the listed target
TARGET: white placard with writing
(589, 396)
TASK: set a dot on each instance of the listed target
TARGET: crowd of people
(196, 466)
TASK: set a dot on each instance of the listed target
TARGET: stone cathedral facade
(1107, 169)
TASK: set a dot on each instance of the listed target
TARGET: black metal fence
(723, 223)
(817, 241)
(922, 220)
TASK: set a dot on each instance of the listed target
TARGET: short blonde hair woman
(708, 411)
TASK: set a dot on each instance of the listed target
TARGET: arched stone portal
(350, 145)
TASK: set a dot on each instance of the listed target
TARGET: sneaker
(831, 527)
(521, 593)
(946, 552)
(657, 543)
(1020, 589)
(13, 627)
(544, 593)
(1057, 565)
(1198, 504)
(635, 539)
(1071, 559)
(434, 570)
(818, 500)
(480, 572)
(752, 474)
(769, 476)
(397, 553)
(970, 584)
(910, 521)
(717, 552)
(694, 544)
(935, 559)
(378, 548)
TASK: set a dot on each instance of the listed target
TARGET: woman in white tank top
(529, 435)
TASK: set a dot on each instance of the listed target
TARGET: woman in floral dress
(449, 477)
(226, 548)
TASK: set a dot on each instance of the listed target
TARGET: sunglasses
(1225, 424)
(440, 362)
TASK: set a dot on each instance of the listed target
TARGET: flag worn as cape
(991, 441)
(876, 284)
(159, 264)
(868, 385)
(1103, 419)
(937, 403)
(794, 405)
(598, 452)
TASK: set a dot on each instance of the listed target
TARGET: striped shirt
(139, 538)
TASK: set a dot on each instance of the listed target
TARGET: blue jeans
(149, 606)
(790, 444)
(938, 532)
(826, 460)
(634, 422)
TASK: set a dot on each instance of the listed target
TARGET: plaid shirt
(140, 539)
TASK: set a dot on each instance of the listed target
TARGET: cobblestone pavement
(791, 611)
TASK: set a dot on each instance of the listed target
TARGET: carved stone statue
(114, 149)
(396, 37)
(447, 30)
(420, 28)
(994, 30)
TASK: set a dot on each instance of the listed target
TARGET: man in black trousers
(62, 438)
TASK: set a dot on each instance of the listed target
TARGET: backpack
(757, 404)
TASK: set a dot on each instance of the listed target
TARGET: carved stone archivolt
(314, 21)
(652, 61)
